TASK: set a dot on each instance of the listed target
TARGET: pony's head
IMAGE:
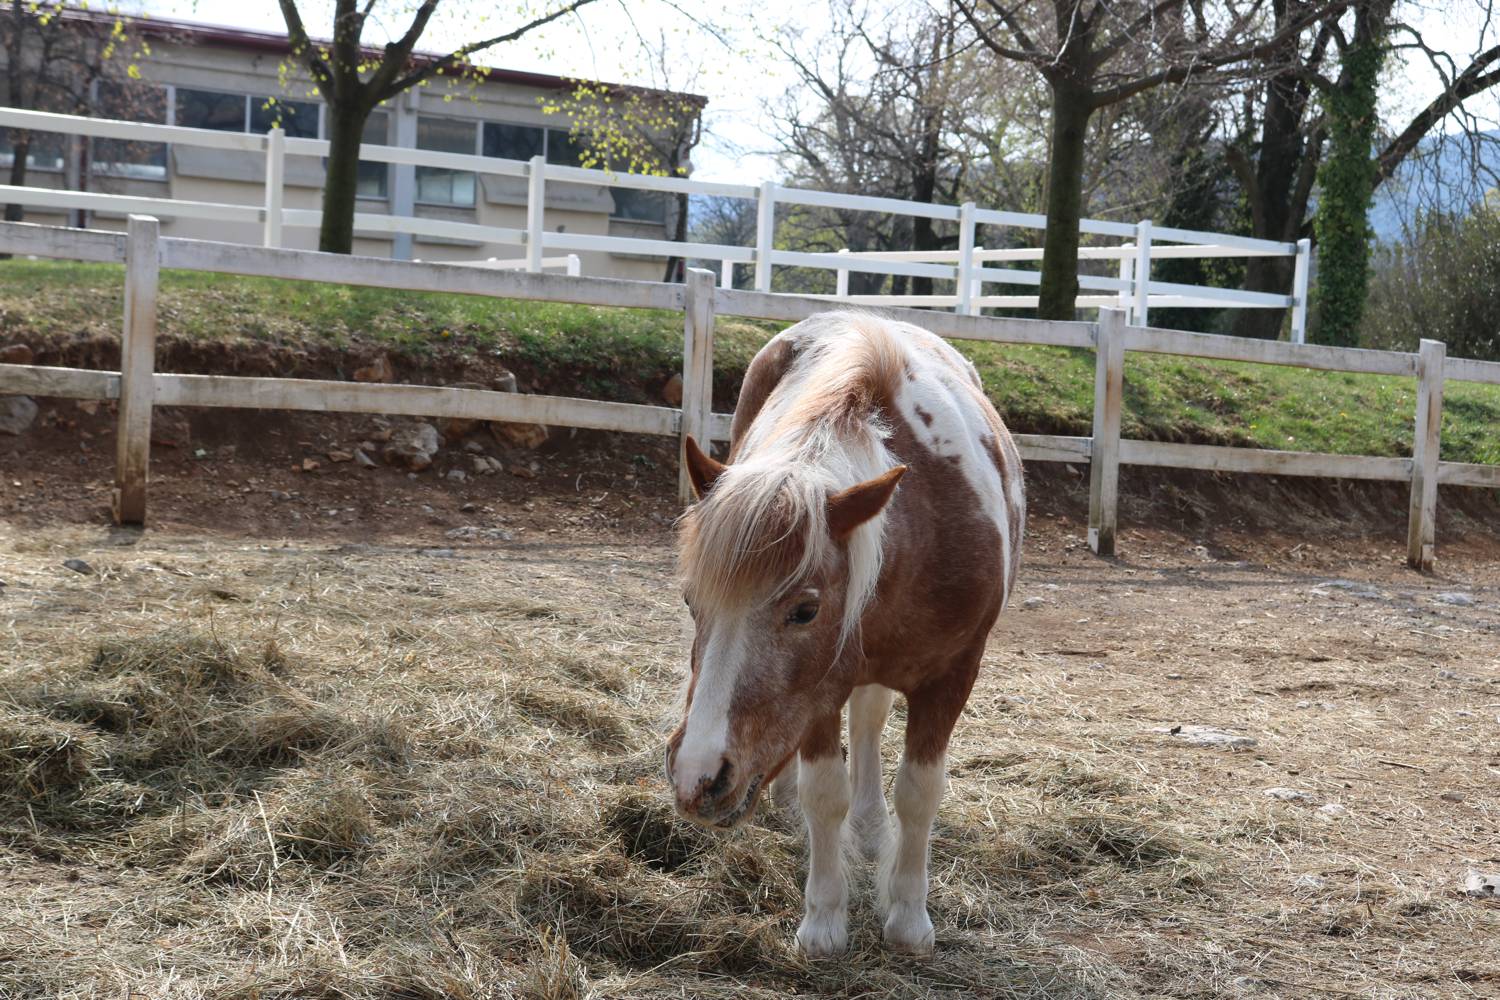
(778, 564)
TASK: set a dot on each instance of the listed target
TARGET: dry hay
(387, 774)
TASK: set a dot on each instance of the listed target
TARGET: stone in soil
(78, 566)
(413, 447)
(1482, 885)
(378, 370)
(1455, 598)
(1287, 794)
(16, 354)
(1208, 736)
(17, 413)
(362, 460)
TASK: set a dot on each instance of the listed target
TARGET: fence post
(841, 279)
(1104, 455)
(536, 194)
(137, 366)
(1127, 274)
(765, 235)
(1299, 291)
(1141, 313)
(966, 259)
(575, 265)
(726, 274)
(697, 370)
(275, 183)
(1421, 524)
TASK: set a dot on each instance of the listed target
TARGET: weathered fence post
(1299, 291)
(275, 178)
(765, 235)
(1421, 525)
(966, 259)
(726, 274)
(1126, 294)
(137, 366)
(1142, 310)
(1104, 456)
(536, 197)
(697, 370)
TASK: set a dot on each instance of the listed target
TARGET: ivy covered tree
(353, 78)
(1347, 180)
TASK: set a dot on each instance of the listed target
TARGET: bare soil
(1086, 849)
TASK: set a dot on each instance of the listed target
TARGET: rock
(16, 354)
(362, 460)
(413, 447)
(483, 466)
(1208, 736)
(457, 475)
(1287, 794)
(340, 456)
(378, 370)
(1453, 796)
(1351, 586)
(16, 414)
(1332, 810)
(468, 507)
(470, 532)
(1455, 598)
(473, 447)
(279, 495)
(671, 393)
(455, 429)
(1481, 885)
(1032, 603)
(88, 406)
(522, 472)
(170, 430)
(78, 566)
(526, 436)
(311, 464)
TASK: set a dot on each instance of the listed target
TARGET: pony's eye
(803, 613)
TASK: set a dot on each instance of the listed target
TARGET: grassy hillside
(624, 354)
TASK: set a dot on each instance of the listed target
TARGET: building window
(374, 178)
(210, 109)
(44, 153)
(640, 206)
(298, 119)
(438, 185)
(134, 102)
(513, 142)
(563, 149)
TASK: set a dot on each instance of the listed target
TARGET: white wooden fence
(138, 387)
(966, 267)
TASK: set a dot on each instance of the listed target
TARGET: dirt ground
(1087, 847)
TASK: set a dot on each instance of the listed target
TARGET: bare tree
(353, 78)
(1097, 53)
(55, 57)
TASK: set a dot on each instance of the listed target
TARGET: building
(232, 80)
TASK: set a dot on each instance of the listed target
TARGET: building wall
(206, 175)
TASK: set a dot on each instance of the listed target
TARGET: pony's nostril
(720, 784)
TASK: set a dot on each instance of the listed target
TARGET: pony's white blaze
(706, 736)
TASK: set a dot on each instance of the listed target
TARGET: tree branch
(302, 47)
(1471, 81)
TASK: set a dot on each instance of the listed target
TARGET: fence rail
(1133, 288)
(138, 387)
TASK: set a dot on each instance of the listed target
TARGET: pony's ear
(703, 471)
(850, 508)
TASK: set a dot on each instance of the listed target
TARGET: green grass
(624, 353)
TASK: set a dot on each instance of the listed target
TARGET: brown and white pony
(814, 581)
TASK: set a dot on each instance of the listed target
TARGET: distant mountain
(1451, 173)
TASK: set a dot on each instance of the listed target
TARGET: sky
(739, 71)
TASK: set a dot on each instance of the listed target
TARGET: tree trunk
(1072, 107)
(346, 126)
(676, 266)
(21, 147)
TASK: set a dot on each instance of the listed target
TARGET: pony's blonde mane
(763, 526)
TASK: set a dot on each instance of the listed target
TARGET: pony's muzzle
(702, 789)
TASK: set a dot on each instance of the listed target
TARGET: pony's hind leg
(823, 788)
(931, 712)
(868, 708)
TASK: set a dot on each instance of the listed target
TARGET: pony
(860, 541)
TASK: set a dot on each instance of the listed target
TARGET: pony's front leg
(823, 790)
(931, 712)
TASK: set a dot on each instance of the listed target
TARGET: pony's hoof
(908, 929)
(823, 936)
